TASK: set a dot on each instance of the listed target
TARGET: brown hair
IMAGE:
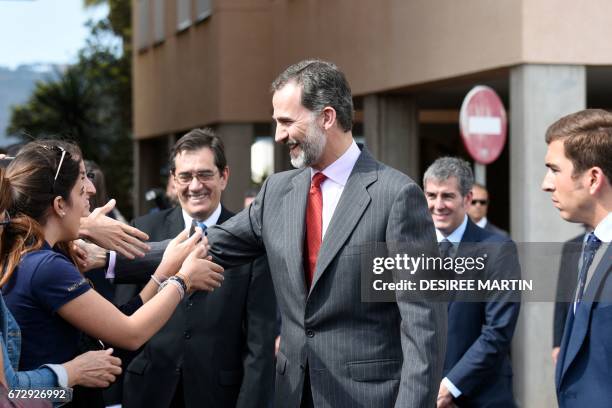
(27, 189)
(99, 182)
(587, 139)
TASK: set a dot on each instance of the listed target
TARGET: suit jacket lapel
(225, 215)
(578, 330)
(174, 223)
(353, 202)
(294, 214)
(470, 236)
(561, 366)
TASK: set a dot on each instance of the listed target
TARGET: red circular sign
(483, 124)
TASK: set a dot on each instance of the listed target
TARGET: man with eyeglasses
(479, 207)
(217, 349)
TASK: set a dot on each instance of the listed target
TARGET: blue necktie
(591, 246)
(200, 224)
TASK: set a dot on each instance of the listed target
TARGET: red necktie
(314, 226)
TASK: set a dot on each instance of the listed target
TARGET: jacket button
(310, 333)
(187, 334)
(177, 369)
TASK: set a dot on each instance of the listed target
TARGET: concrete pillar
(237, 139)
(391, 126)
(150, 155)
(539, 95)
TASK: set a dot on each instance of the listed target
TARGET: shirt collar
(603, 230)
(340, 170)
(482, 223)
(210, 221)
(456, 235)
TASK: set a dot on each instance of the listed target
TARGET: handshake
(188, 257)
(185, 255)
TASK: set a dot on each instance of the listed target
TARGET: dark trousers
(178, 401)
(307, 392)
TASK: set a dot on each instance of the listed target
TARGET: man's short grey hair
(323, 84)
(446, 167)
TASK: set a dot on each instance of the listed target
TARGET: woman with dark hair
(100, 198)
(47, 192)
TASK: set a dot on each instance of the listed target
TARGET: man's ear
(596, 179)
(329, 117)
(59, 206)
(224, 177)
(467, 200)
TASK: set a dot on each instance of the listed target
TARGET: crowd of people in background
(192, 305)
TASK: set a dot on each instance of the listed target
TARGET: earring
(63, 214)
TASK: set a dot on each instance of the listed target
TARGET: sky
(43, 31)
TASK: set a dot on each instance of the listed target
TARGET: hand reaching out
(88, 256)
(112, 234)
(93, 369)
(202, 273)
(178, 250)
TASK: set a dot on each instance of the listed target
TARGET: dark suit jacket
(222, 343)
(356, 353)
(495, 229)
(566, 284)
(480, 333)
(584, 367)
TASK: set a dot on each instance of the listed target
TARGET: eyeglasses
(481, 202)
(202, 176)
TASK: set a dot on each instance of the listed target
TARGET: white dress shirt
(603, 230)
(337, 175)
(482, 223)
(210, 221)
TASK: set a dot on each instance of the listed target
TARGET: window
(183, 14)
(142, 35)
(158, 21)
(203, 9)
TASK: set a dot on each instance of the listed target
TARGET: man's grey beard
(311, 147)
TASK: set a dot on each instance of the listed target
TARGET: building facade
(410, 63)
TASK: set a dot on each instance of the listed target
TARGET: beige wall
(220, 70)
(214, 71)
(567, 32)
(389, 44)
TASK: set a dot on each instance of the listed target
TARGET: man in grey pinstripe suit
(337, 351)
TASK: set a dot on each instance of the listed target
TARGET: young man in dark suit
(579, 178)
(566, 286)
(477, 368)
(217, 349)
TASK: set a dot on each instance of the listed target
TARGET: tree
(90, 102)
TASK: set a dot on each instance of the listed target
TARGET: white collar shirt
(210, 221)
(332, 187)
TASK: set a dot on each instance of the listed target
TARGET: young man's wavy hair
(587, 139)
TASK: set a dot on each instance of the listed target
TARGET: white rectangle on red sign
(484, 125)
